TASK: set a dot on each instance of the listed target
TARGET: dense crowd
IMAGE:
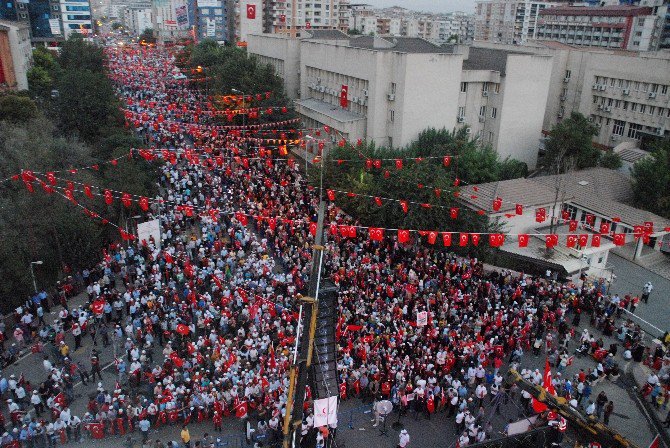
(203, 322)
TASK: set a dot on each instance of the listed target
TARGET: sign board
(170, 22)
(325, 411)
(148, 229)
(422, 319)
(211, 27)
(54, 24)
(209, 4)
(182, 15)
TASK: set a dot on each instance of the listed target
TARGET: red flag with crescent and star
(251, 12)
(344, 92)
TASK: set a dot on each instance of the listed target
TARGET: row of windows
(486, 87)
(586, 19)
(633, 107)
(619, 127)
(637, 86)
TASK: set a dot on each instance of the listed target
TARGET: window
(496, 87)
(620, 83)
(664, 90)
(618, 128)
(661, 111)
(461, 111)
(490, 137)
(568, 74)
(654, 88)
(636, 86)
(393, 88)
(643, 107)
(652, 109)
(633, 130)
(482, 111)
(464, 87)
(391, 115)
(625, 105)
(633, 107)
(494, 112)
(612, 80)
(617, 104)
(645, 87)
(485, 87)
(640, 21)
(610, 101)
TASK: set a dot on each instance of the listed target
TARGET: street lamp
(32, 273)
(128, 219)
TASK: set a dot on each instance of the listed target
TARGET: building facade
(137, 19)
(508, 21)
(620, 26)
(50, 21)
(208, 19)
(397, 87)
(15, 55)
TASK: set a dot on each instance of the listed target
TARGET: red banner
(344, 102)
(251, 12)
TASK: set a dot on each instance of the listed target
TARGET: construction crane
(588, 428)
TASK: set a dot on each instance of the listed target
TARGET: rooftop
(602, 191)
(398, 44)
(605, 11)
(329, 110)
(325, 35)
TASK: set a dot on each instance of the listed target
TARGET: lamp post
(32, 273)
(128, 219)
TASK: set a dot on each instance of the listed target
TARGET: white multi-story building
(76, 17)
(164, 20)
(283, 16)
(16, 55)
(508, 21)
(399, 86)
(137, 19)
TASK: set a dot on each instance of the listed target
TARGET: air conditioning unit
(365, 93)
(608, 108)
(485, 93)
(626, 91)
(566, 80)
(602, 87)
(391, 96)
(322, 89)
(361, 101)
(468, 130)
(461, 119)
(354, 99)
(652, 95)
(482, 119)
(600, 107)
(595, 87)
(660, 131)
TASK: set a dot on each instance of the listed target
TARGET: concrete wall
(16, 55)
(521, 115)
(283, 54)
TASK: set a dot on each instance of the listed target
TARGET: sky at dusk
(425, 5)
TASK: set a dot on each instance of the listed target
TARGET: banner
(344, 91)
(325, 411)
(422, 319)
(54, 24)
(211, 27)
(148, 229)
(182, 15)
(251, 12)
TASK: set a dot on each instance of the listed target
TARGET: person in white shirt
(403, 441)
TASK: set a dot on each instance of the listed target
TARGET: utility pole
(302, 359)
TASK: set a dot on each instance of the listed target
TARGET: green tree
(43, 74)
(611, 160)
(148, 36)
(17, 109)
(79, 55)
(570, 145)
(651, 180)
(87, 105)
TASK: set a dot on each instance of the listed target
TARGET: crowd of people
(203, 322)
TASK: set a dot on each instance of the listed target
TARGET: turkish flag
(572, 225)
(619, 239)
(604, 228)
(496, 239)
(312, 228)
(519, 209)
(344, 91)
(308, 26)
(404, 205)
(497, 203)
(98, 307)
(453, 212)
(475, 238)
(540, 215)
(547, 385)
(376, 233)
(523, 240)
(583, 239)
(463, 239)
(571, 241)
(403, 236)
(590, 219)
(595, 241)
(551, 240)
(251, 12)
(446, 161)
(432, 237)
(446, 239)
(331, 195)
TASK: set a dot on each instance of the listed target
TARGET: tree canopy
(17, 109)
(651, 180)
(570, 145)
(416, 181)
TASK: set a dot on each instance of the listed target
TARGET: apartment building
(282, 16)
(398, 86)
(136, 19)
(208, 19)
(439, 28)
(508, 21)
(15, 55)
(618, 26)
(50, 21)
